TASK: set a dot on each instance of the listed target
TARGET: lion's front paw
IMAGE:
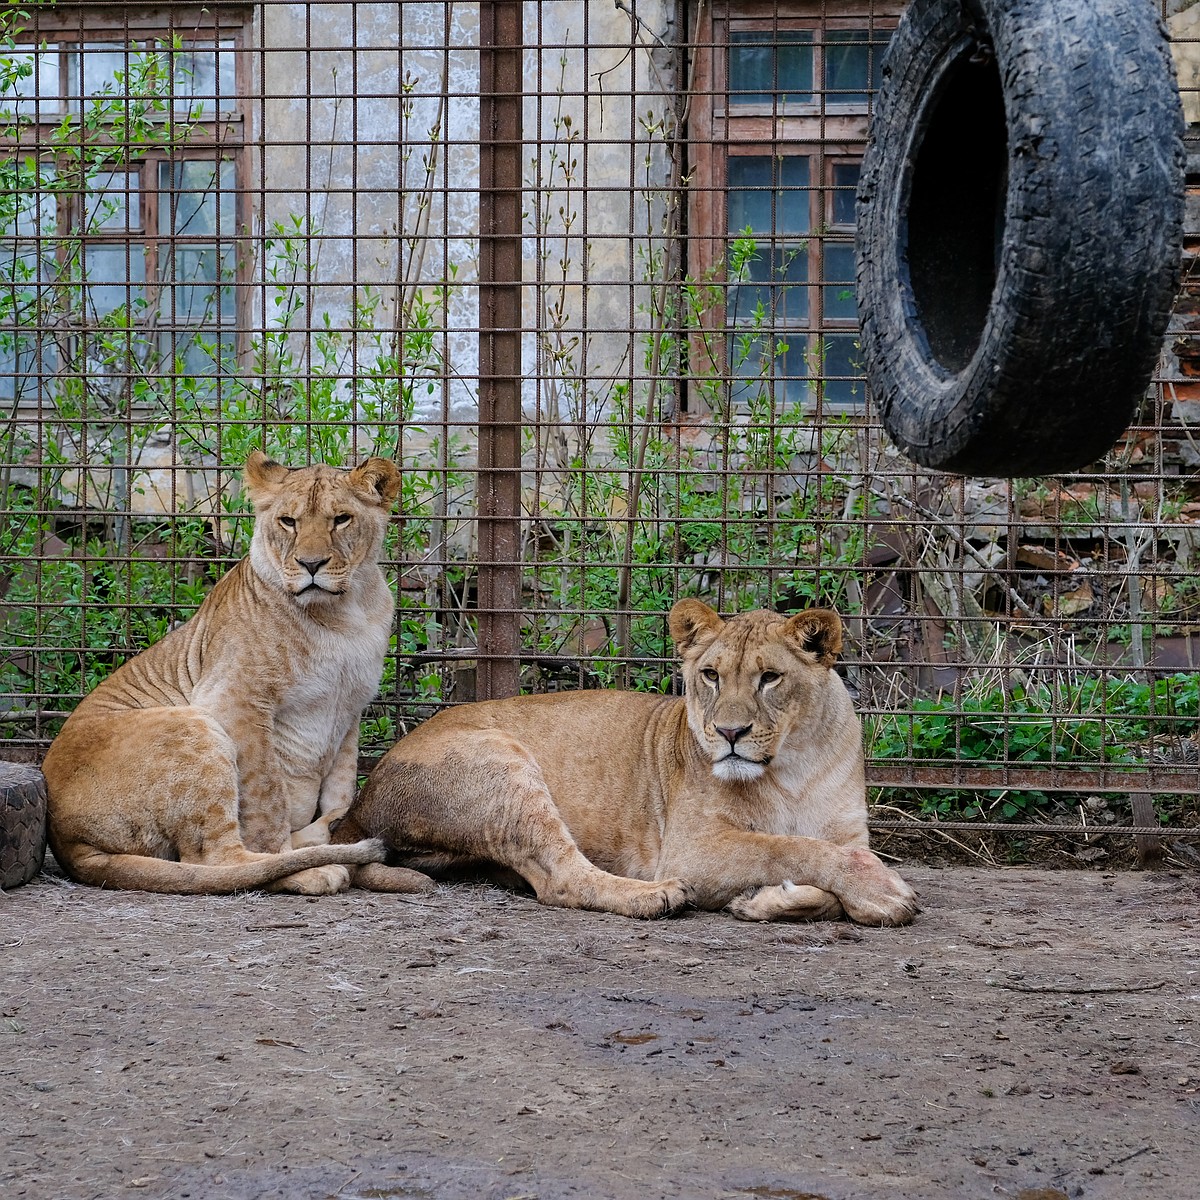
(669, 897)
(636, 898)
(316, 881)
(786, 902)
(874, 894)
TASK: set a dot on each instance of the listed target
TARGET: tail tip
(371, 850)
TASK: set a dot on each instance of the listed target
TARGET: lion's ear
(262, 476)
(819, 631)
(691, 620)
(377, 478)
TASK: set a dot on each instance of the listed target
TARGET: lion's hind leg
(486, 799)
(379, 877)
(376, 876)
(165, 821)
(787, 902)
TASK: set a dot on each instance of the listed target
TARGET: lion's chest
(810, 797)
(319, 706)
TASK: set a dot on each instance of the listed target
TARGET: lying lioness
(747, 794)
(202, 762)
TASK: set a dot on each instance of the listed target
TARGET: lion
(198, 766)
(747, 794)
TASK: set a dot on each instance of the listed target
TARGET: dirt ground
(1034, 1034)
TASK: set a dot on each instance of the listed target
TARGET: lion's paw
(874, 894)
(316, 881)
(646, 901)
(786, 902)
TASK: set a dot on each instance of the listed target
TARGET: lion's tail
(138, 872)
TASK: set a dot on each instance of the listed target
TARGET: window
(776, 150)
(119, 206)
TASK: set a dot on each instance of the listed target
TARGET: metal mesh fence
(586, 272)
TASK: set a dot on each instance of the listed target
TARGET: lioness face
(752, 679)
(314, 526)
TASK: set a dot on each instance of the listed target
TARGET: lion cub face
(315, 526)
(750, 680)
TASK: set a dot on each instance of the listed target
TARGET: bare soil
(1034, 1034)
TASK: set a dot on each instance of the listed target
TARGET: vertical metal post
(1149, 848)
(499, 483)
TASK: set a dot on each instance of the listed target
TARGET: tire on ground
(22, 823)
(1020, 218)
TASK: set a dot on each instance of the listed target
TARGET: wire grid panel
(587, 274)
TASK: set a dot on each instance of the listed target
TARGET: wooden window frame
(216, 137)
(825, 132)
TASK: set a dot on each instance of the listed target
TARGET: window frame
(217, 136)
(826, 132)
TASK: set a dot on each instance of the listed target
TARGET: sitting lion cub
(191, 768)
(748, 794)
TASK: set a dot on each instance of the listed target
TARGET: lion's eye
(710, 676)
(288, 522)
(769, 677)
(342, 519)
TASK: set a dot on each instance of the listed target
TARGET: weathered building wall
(370, 129)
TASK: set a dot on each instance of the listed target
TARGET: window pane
(25, 275)
(22, 263)
(198, 355)
(29, 83)
(841, 356)
(197, 285)
(845, 184)
(204, 80)
(24, 366)
(764, 366)
(115, 276)
(838, 292)
(769, 287)
(28, 209)
(112, 203)
(779, 200)
(97, 69)
(766, 66)
(749, 209)
(197, 198)
(853, 59)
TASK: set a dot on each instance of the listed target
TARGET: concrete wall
(390, 182)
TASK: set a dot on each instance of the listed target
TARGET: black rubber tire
(22, 823)
(1020, 217)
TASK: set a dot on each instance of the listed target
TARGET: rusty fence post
(1149, 847)
(498, 497)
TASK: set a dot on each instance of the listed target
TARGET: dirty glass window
(195, 79)
(27, 226)
(766, 67)
(767, 268)
(853, 65)
(143, 235)
(196, 268)
(836, 347)
(782, 143)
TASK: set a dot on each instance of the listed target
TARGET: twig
(1102, 989)
(1116, 1162)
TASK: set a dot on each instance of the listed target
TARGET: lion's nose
(312, 565)
(732, 735)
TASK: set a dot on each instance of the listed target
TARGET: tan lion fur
(201, 763)
(748, 793)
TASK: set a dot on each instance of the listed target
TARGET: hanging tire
(22, 823)
(1020, 218)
